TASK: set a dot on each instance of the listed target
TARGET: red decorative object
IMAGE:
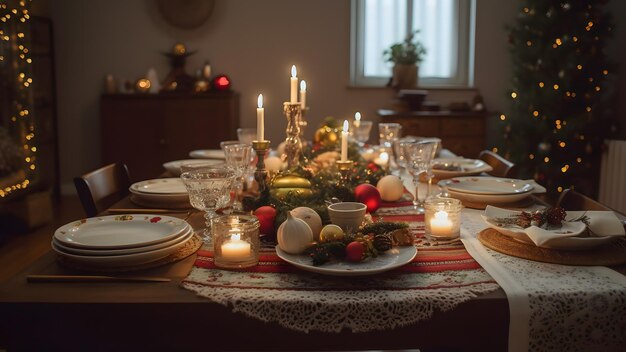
(221, 82)
(368, 195)
(155, 219)
(266, 216)
(355, 251)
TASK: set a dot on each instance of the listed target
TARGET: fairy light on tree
(17, 96)
(559, 114)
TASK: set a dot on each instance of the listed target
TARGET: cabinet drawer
(418, 127)
(460, 126)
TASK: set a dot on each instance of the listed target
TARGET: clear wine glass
(388, 134)
(246, 135)
(238, 159)
(362, 132)
(419, 156)
(209, 190)
(399, 151)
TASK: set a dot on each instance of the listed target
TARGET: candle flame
(441, 215)
(357, 116)
(303, 86)
(294, 72)
(235, 237)
(260, 101)
(345, 126)
(384, 156)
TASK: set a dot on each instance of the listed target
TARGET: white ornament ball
(390, 188)
(273, 163)
(311, 217)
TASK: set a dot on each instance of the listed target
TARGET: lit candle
(260, 119)
(382, 160)
(303, 93)
(294, 85)
(440, 225)
(235, 248)
(344, 141)
(357, 119)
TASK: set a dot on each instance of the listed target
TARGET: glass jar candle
(442, 217)
(236, 241)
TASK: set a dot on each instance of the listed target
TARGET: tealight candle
(442, 217)
(440, 225)
(382, 160)
(235, 248)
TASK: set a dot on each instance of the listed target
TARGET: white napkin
(601, 223)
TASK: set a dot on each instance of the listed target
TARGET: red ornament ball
(368, 195)
(266, 216)
(355, 251)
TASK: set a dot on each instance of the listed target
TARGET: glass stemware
(209, 190)
(399, 151)
(362, 132)
(419, 156)
(246, 135)
(388, 134)
(238, 158)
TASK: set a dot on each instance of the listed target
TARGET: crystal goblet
(209, 190)
(419, 156)
(362, 132)
(238, 158)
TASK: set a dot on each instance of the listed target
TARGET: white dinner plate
(394, 258)
(488, 198)
(104, 252)
(171, 185)
(208, 154)
(122, 260)
(454, 167)
(161, 201)
(120, 231)
(577, 241)
(487, 185)
(173, 167)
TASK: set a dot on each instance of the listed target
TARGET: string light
(25, 122)
(513, 95)
(502, 117)
(546, 159)
(541, 84)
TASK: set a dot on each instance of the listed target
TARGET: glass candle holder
(236, 241)
(442, 217)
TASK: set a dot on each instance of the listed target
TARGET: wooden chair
(572, 200)
(501, 166)
(100, 189)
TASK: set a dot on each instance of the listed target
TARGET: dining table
(170, 315)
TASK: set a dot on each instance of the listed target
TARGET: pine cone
(555, 216)
(524, 219)
(383, 242)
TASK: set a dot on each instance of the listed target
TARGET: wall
(255, 42)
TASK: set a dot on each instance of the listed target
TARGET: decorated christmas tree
(559, 115)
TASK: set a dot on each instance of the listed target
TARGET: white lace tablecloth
(554, 307)
(305, 301)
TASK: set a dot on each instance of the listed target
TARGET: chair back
(100, 189)
(501, 166)
(572, 200)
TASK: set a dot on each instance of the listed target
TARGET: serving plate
(173, 167)
(171, 185)
(120, 231)
(488, 185)
(394, 258)
(208, 154)
(572, 235)
(458, 167)
(488, 198)
(107, 252)
(122, 260)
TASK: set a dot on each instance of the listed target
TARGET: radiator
(613, 176)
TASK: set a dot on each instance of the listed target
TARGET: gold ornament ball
(290, 184)
(179, 49)
(143, 85)
(331, 233)
(326, 136)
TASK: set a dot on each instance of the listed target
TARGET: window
(445, 28)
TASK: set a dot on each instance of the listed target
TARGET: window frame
(465, 32)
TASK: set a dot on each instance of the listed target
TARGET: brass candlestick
(344, 170)
(293, 143)
(260, 174)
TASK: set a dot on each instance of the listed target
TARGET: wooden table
(113, 316)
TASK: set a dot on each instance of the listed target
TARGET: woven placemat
(188, 249)
(613, 253)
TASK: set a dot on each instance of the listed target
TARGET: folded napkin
(601, 224)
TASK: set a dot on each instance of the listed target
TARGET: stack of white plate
(160, 192)
(490, 190)
(173, 167)
(208, 154)
(121, 240)
(444, 168)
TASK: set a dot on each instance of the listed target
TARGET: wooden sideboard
(146, 130)
(463, 133)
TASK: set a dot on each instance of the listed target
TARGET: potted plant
(406, 57)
